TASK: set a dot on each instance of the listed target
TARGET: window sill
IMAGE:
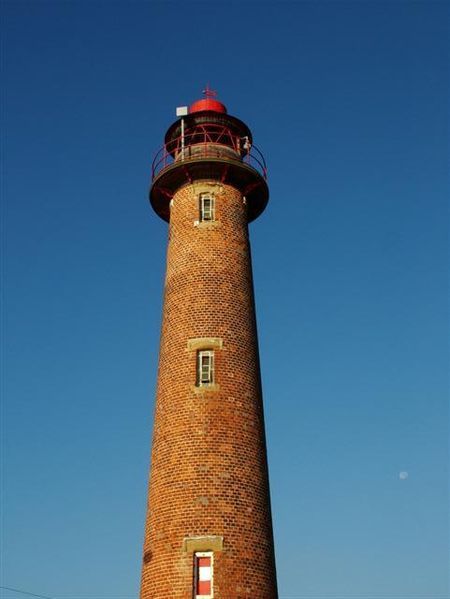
(210, 224)
(206, 388)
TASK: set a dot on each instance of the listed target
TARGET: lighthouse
(208, 532)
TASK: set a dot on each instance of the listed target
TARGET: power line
(308, 596)
(25, 593)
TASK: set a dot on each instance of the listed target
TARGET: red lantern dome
(208, 103)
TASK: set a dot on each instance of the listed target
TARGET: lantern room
(207, 143)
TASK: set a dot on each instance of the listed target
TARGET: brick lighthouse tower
(209, 528)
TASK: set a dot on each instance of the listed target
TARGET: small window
(206, 207)
(205, 367)
(203, 575)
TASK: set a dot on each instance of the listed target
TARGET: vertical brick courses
(209, 469)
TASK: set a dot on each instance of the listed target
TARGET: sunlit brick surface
(209, 469)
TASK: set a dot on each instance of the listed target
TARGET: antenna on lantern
(208, 92)
(182, 111)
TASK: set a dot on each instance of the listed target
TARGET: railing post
(182, 139)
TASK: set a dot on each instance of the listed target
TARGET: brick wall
(209, 469)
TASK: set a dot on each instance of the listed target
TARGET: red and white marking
(203, 570)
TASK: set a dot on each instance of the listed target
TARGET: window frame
(209, 215)
(209, 380)
(197, 556)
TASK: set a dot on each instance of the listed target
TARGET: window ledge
(211, 224)
(206, 388)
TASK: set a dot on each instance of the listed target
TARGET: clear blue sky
(349, 103)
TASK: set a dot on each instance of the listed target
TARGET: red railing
(209, 141)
